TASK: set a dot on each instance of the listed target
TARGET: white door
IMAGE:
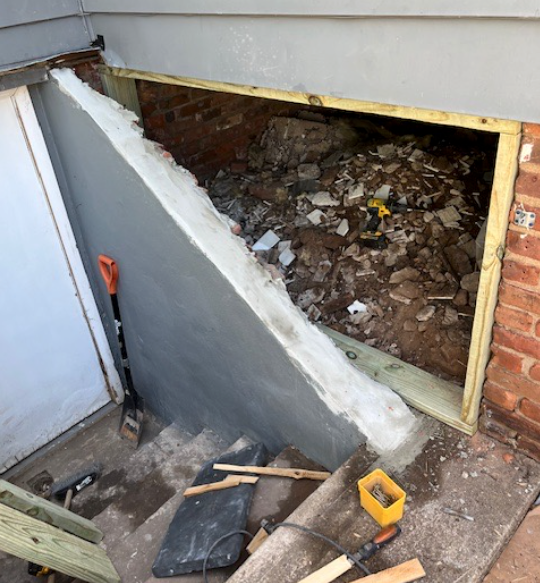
(51, 349)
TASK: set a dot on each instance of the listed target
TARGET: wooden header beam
(487, 124)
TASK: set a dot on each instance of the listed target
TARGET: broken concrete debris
(306, 185)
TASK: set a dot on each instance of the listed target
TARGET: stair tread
(134, 555)
(148, 492)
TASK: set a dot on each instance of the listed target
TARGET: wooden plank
(329, 572)
(404, 573)
(295, 473)
(427, 393)
(124, 91)
(228, 482)
(53, 514)
(502, 195)
(33, 540)
(257, 541)
(487, 124)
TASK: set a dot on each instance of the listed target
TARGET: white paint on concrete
(378, 412)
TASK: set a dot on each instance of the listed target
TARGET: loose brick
(534, 372)
(506, 360)
(530, 410)
(496, 430)
(501, 397)
(517, 297)
(528, 181)
(530, 446)
(528, 275)
(526, 244)
(522, 425)
(518, 384)
(513, 319)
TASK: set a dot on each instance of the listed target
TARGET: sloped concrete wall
(199, 351)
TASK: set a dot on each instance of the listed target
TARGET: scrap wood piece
(296, 473)
(228, 482)
(404, 573)
(32, 540)
(45, 511)
(257, 540)
(329, 572)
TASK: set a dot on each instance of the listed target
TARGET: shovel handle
(109, 272)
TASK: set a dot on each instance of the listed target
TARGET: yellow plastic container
(384, 516)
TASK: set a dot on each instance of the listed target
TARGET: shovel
(133, 408)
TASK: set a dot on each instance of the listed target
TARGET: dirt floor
(412, 292)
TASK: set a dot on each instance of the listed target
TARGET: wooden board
(40, 509)
(228, 482)
(329, 572)
(123, 91)
(502, 195)
(404, 573)
(427, 393)
(257, 541)
(33, 540)
(295, 473)
(487, 124)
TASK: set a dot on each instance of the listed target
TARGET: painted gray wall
(468, 56)
(197, 350)
(34, 30)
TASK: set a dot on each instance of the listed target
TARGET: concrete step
(274, 499)
(177, 460)
(442, 470)
(133, 555)
(121, 472)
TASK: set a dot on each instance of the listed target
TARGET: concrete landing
(474, 476)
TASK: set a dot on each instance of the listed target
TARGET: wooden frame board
(459, 409)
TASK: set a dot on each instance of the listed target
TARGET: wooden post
(502, 195)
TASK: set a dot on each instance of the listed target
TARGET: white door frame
(45, 172)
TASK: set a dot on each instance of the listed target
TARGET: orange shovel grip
(109, 272)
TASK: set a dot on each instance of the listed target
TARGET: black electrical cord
(220, 539)
(273, 527)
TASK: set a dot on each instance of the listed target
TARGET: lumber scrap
(295, 473)
(33, 540)
(45, 511)
(405, 573)
(228, 482)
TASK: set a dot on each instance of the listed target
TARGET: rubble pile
(301, 201)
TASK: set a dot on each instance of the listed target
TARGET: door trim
(45, 173)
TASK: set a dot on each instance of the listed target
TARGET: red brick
(526, 244)
(534, 372)
(154, 122)
(528, 181)
(501, 397)
(506, 360)
(519, 423)
(530, 446)
(517, 297)
(513, 319)
(518, 384)
(496, 430)
(530, 410)
(525, 274)
(531, 129)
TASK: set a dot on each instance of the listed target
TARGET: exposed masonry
(377, 411)
(205, 130)
(511, 409)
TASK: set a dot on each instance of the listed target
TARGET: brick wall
(205, 130)
(511, 407)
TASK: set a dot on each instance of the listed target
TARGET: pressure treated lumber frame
(441, 401)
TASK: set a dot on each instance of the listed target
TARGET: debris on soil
(307, 183)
